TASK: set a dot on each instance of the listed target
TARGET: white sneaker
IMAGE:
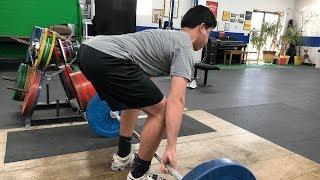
(192, 84)
(147, 176)
(119, 163)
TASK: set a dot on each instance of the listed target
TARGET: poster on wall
(157, 15)
(213, 6)
(232, 17)
(226, 16)
(247, 25)
(167, 8)
(248, 15)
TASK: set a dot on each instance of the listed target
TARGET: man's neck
(193, 34)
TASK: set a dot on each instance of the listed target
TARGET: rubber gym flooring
(268, 119)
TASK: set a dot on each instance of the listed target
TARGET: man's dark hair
(197, 15)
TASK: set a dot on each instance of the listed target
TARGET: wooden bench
(243, 54)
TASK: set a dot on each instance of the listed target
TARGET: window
(258, 18)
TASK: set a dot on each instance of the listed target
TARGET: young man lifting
(120, 67)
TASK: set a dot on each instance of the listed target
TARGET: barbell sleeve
(20, 40)
(17, 89)
(9, 78)
(172, 171)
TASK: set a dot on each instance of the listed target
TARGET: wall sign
(226, 16)
(157, 15)
(248, 15)
(213, 6)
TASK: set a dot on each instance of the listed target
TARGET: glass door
(258, 18)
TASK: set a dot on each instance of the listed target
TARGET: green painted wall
(17, 18)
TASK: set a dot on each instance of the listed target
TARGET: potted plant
(291, 37)
(259, 39)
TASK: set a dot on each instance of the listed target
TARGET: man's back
(154, 50)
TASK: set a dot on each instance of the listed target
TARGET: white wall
(144, 11)
(310, 9)
(249, 5)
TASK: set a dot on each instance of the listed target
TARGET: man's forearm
(174, 111)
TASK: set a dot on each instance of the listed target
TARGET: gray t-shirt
(158, 52)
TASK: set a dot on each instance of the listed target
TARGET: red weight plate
(66, 72)
(67, 50)
(32, 94)
(92, 91)
(83, 81)
(88, 89)
(78, 88)
(66, 83)
(57, 55)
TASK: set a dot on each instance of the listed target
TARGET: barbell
(107, 123)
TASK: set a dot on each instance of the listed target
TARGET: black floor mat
(290, 127)
(24, 145)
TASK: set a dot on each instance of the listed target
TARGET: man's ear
(202, 25)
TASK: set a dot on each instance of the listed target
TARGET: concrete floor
(265, 159)
(280, 104)
(294, 90)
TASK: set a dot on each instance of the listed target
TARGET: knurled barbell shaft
(9, 78)
(27, 43)
(20, 40)
(172, 171)
(17, 89)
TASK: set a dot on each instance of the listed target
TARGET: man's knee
(157, 110)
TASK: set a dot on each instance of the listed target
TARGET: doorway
(260, 17)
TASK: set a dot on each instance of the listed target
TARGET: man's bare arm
(174, 109)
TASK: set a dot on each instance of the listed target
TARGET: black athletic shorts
(120, 82)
